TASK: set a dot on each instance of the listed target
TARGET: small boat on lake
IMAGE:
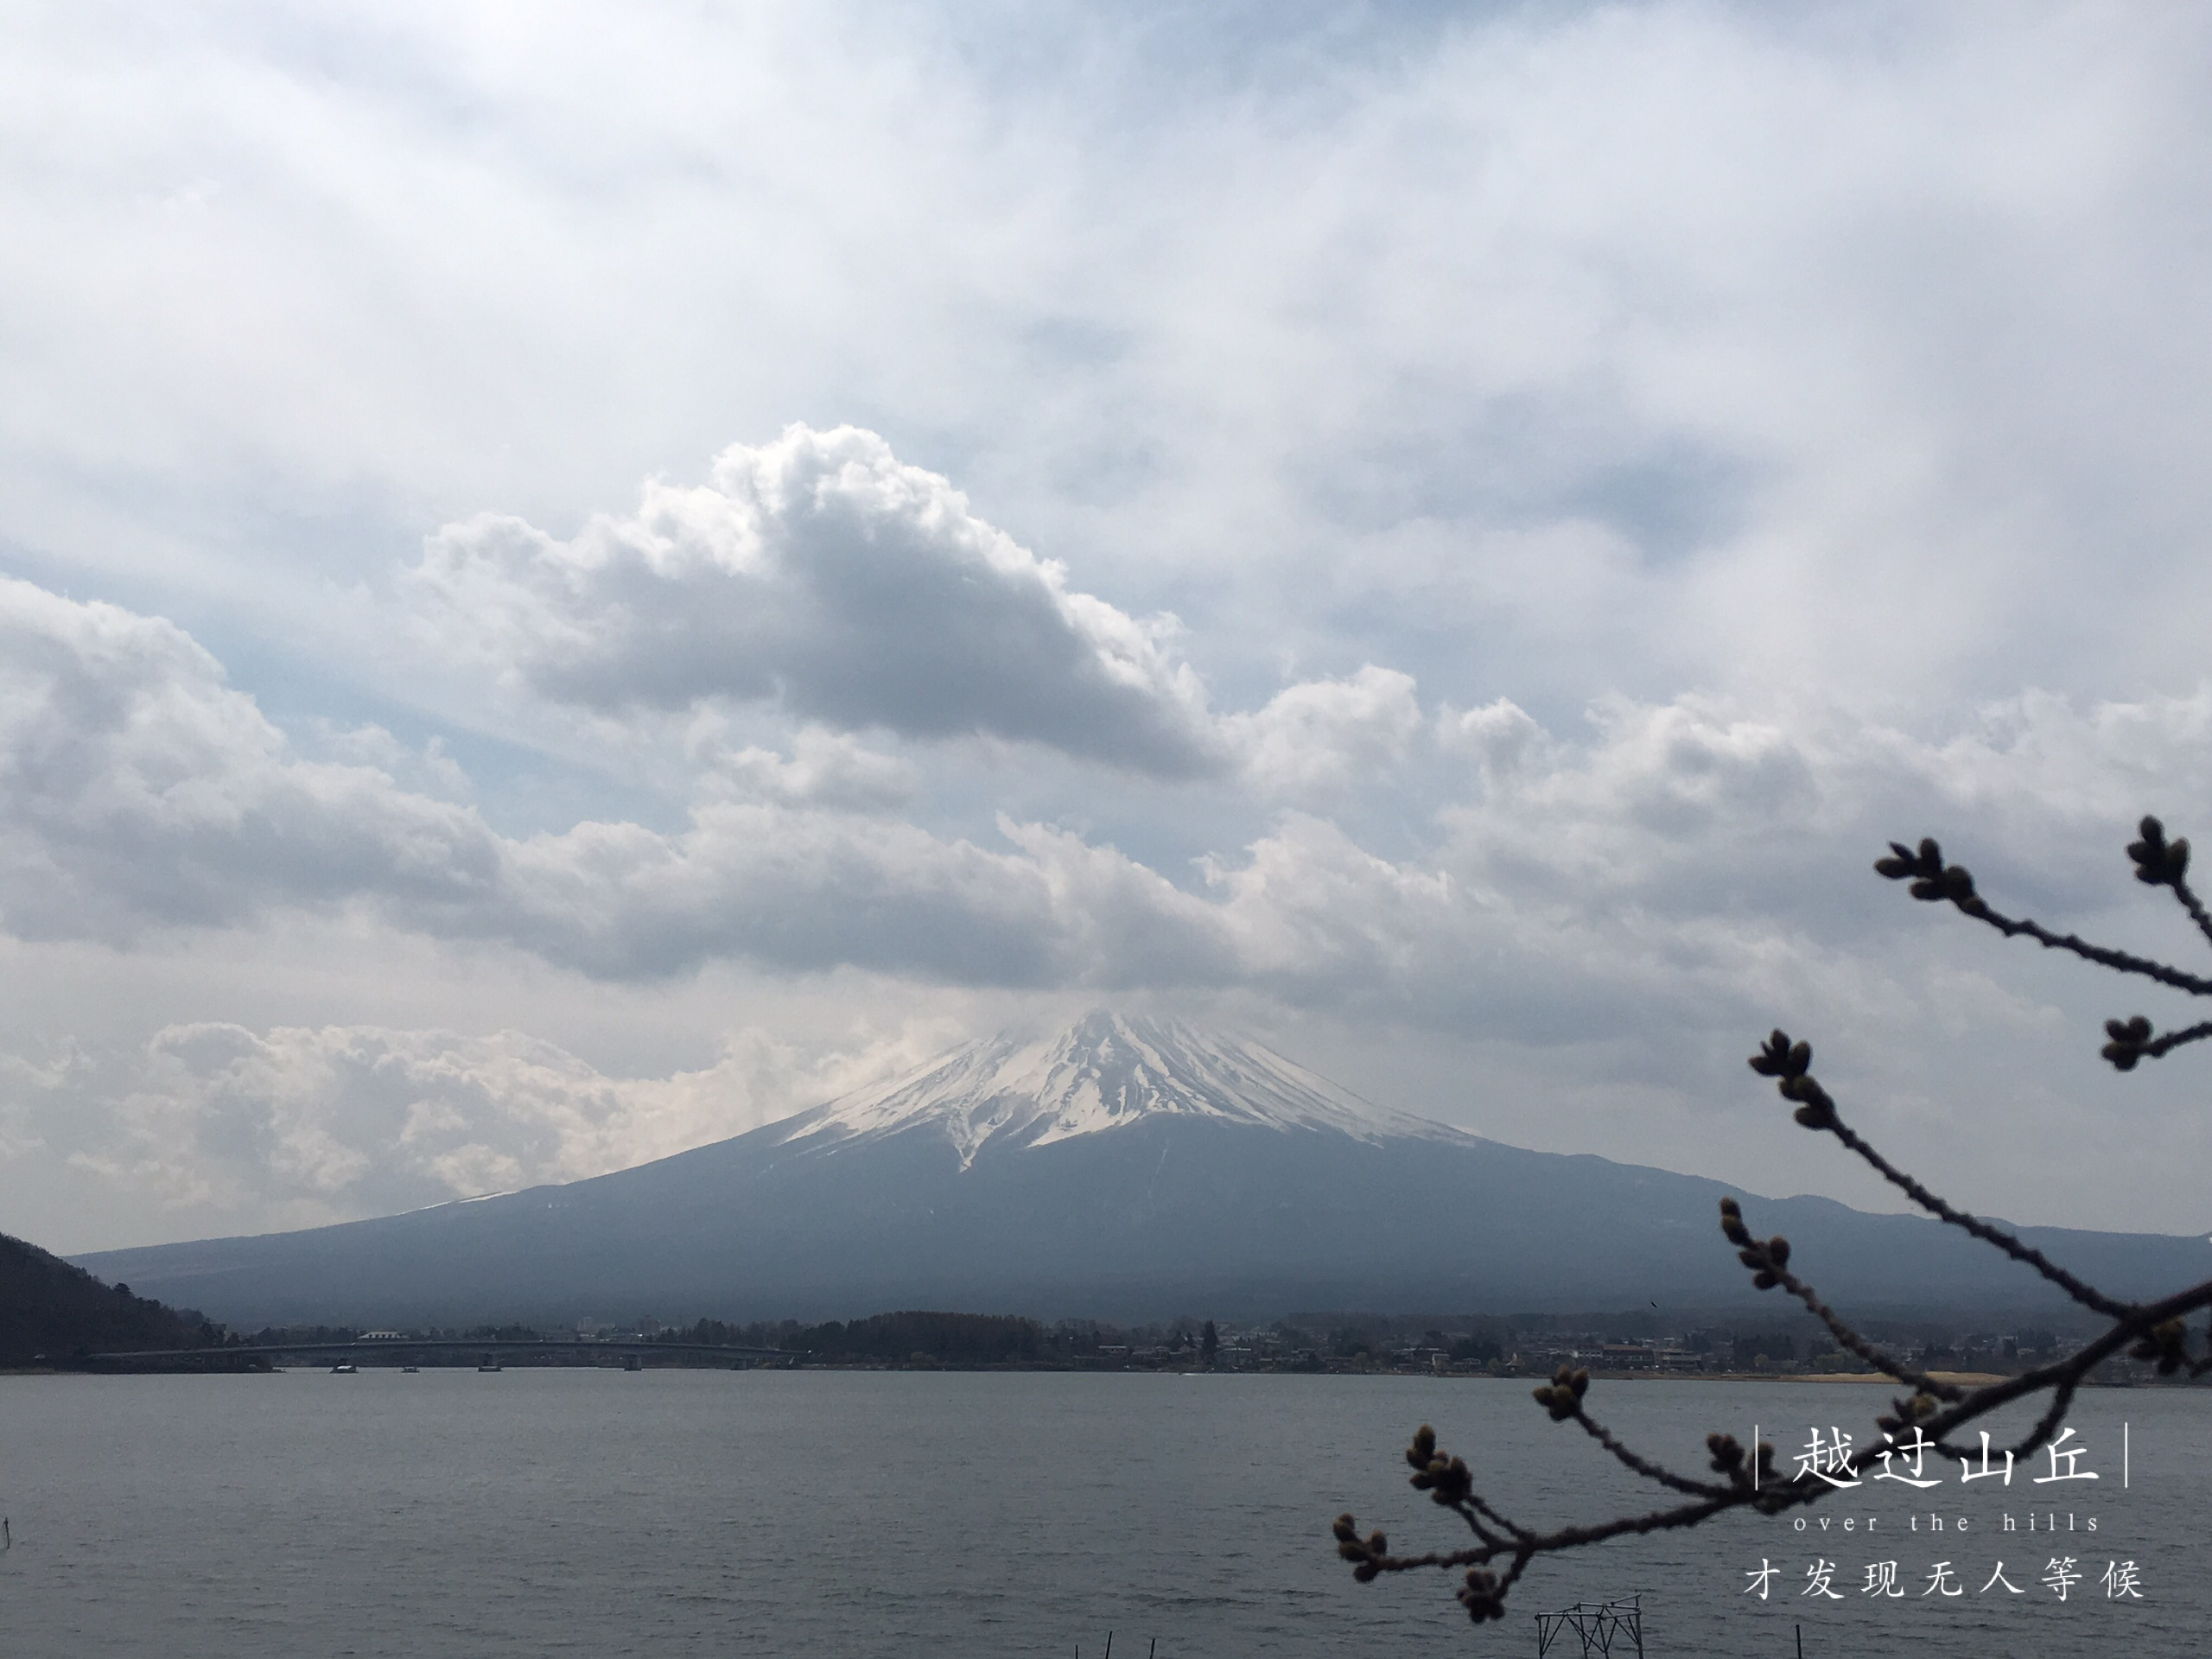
(491, 1364)
(345, 1368)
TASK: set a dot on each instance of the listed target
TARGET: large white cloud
(819, 571)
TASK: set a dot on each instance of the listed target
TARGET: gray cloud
(826, 768)
(138, 790)
(329, 1122)
(142, 791)
(1319, 736)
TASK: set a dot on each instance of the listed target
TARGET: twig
(1788, 1064)
(1768, 1257)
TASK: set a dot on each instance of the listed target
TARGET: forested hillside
(49, 1308)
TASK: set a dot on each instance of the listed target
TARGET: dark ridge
(53, 1313)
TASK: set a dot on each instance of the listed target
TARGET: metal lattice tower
(1605, 1627)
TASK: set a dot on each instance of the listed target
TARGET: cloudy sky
(575, 578)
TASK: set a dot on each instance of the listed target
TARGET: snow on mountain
(1106, 1071)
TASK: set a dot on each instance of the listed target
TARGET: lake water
(855, 1513)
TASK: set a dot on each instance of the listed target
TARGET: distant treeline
(52, 1313)
(943, 1339)
(946, 1339)
(1480, 1339)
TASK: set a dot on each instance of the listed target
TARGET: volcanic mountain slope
(1124, 1168)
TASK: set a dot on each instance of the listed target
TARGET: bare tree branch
(2163, 863)
(2132, 1041)
(2155, 1333)
(1769, 1259)
(1788, 1063)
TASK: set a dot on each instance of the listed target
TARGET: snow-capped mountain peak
(1104, 1072)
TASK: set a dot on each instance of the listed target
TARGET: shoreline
(1963, 1379)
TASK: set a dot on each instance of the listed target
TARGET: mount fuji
(1124, 1168)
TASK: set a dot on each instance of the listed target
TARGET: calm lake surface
(696, 1512)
